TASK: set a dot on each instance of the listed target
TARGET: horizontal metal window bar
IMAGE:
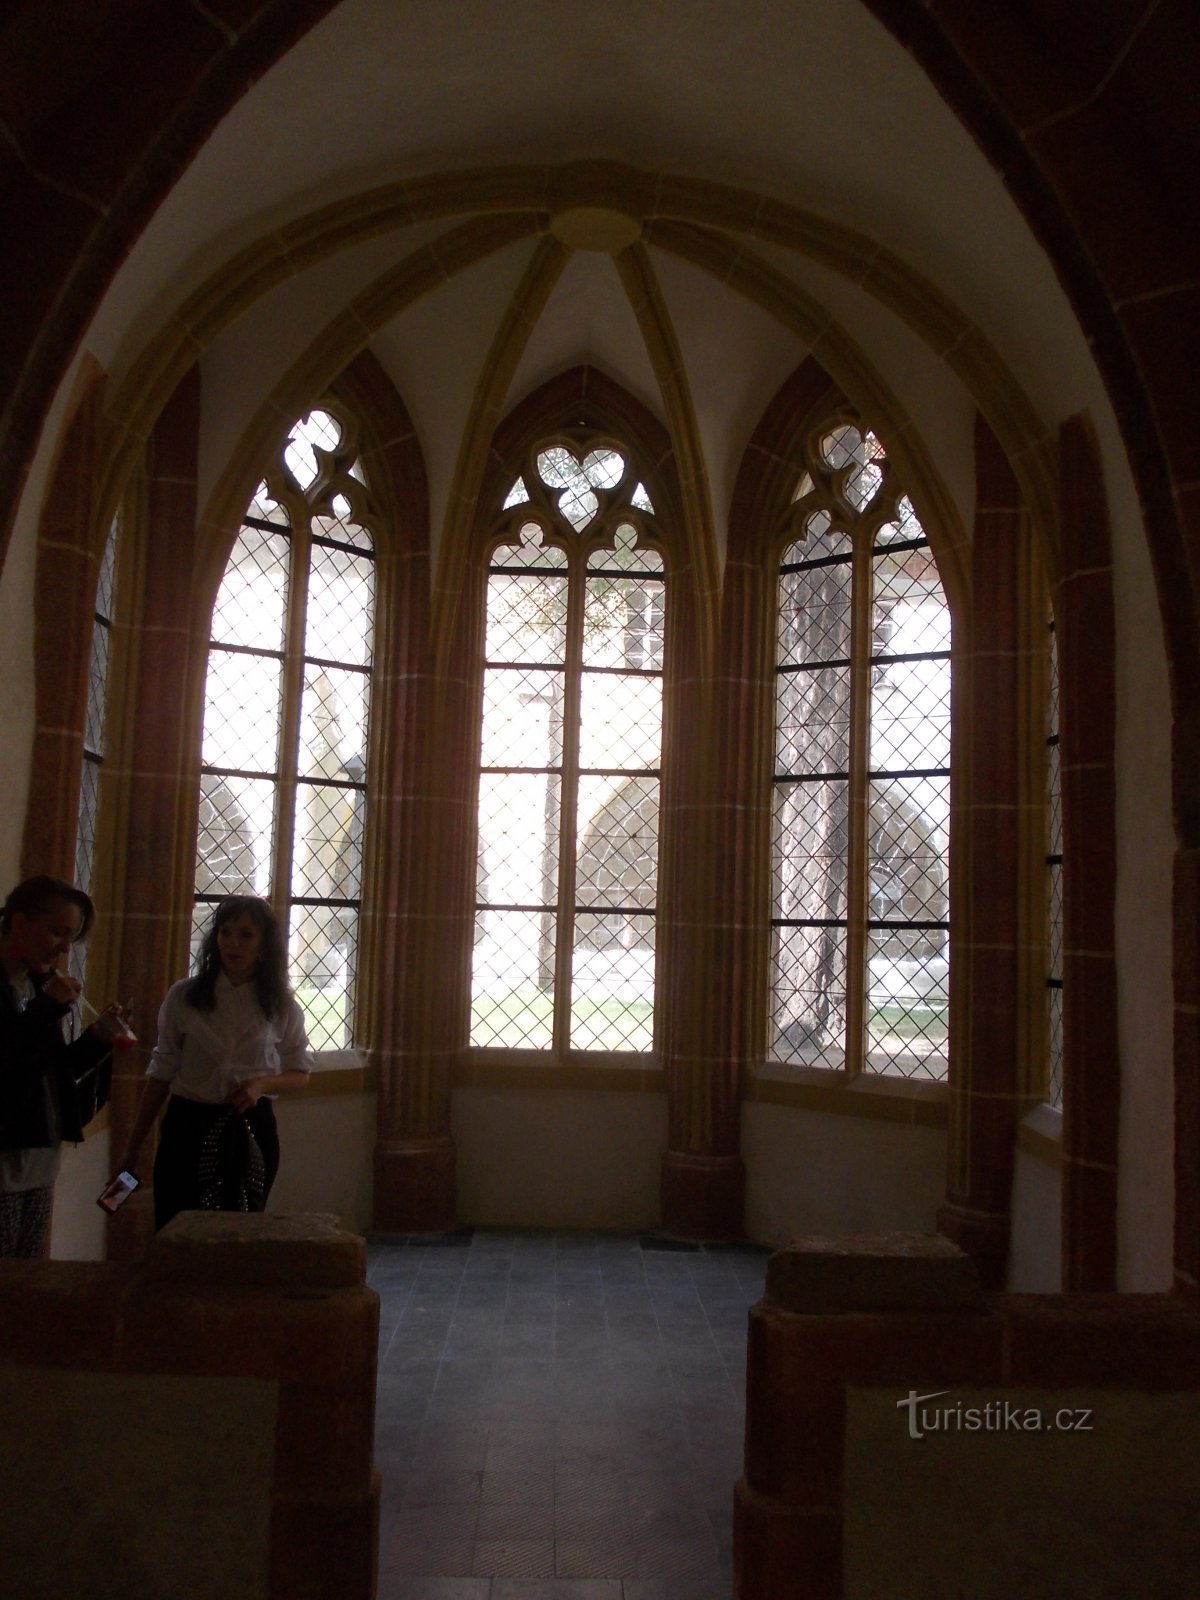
(263, 526)
(1054, 860)
(620, 772)
(813, 666)
(525, 666)
(817, 561)
(523, 772)
(1054, 983)
(529, 910)
(323, 539)
(913, 655)
(809, 922)
(554, 772)
(339, 666)
(811, 777)
(635, 576)
(903, 927)
(615, 911)
(239, 772)
(367, 552)
(309, 782)
(919, 543)
(527, 572)
(579, 911)
(626, 672)
(910, 772)
(207, 899)
(246, 650)
(872, 927)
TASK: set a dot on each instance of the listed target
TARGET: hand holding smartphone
(115, 1194)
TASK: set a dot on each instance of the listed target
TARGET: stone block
(302, 1252)
(816, 1274)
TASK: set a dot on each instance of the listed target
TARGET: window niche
(861, 773)
(283, 787)
(571, 727)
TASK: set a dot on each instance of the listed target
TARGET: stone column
(153, 766)
(990, 727)
(1091, 1057)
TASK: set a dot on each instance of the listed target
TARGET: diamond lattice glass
(526, 617)
(322, 946)
(242, 698)
(512, 988)
(233, 841)
(617, 850)
(612, 991)
(810, 842)
(906, 1010)
(325, 857)
(808, 987)
(333, 723)
(252, 600)
(522, 718)
(621, 720)
(518, 838)
(340, 619)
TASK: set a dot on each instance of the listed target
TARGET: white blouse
(203, 1054)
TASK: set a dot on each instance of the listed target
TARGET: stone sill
(1039, 1134)
(880, 1099)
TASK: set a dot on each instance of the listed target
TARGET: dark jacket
(48, 1089)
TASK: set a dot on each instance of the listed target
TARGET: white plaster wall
(79, 1229)
(567, 1158)
(1035, 1259)
(326, 1145)
(812, 1172)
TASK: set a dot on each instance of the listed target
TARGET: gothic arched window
(862, 774)
(284, 764)
(570, 753)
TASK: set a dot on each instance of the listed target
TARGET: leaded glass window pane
(570, 741)
(286, 820)
(844, 687)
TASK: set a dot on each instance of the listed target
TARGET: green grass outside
(524, 1018)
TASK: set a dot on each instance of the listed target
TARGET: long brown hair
(270, 979)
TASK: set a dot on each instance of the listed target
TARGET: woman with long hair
(229, 1040)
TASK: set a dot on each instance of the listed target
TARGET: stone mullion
(986, 1079)
(154, 770)
(858, 844)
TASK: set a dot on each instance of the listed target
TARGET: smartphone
(114, 1196)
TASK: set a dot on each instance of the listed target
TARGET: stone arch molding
(581, 205)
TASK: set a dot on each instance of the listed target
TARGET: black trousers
(185, 1126)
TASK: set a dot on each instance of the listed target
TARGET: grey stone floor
(559, 1415)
